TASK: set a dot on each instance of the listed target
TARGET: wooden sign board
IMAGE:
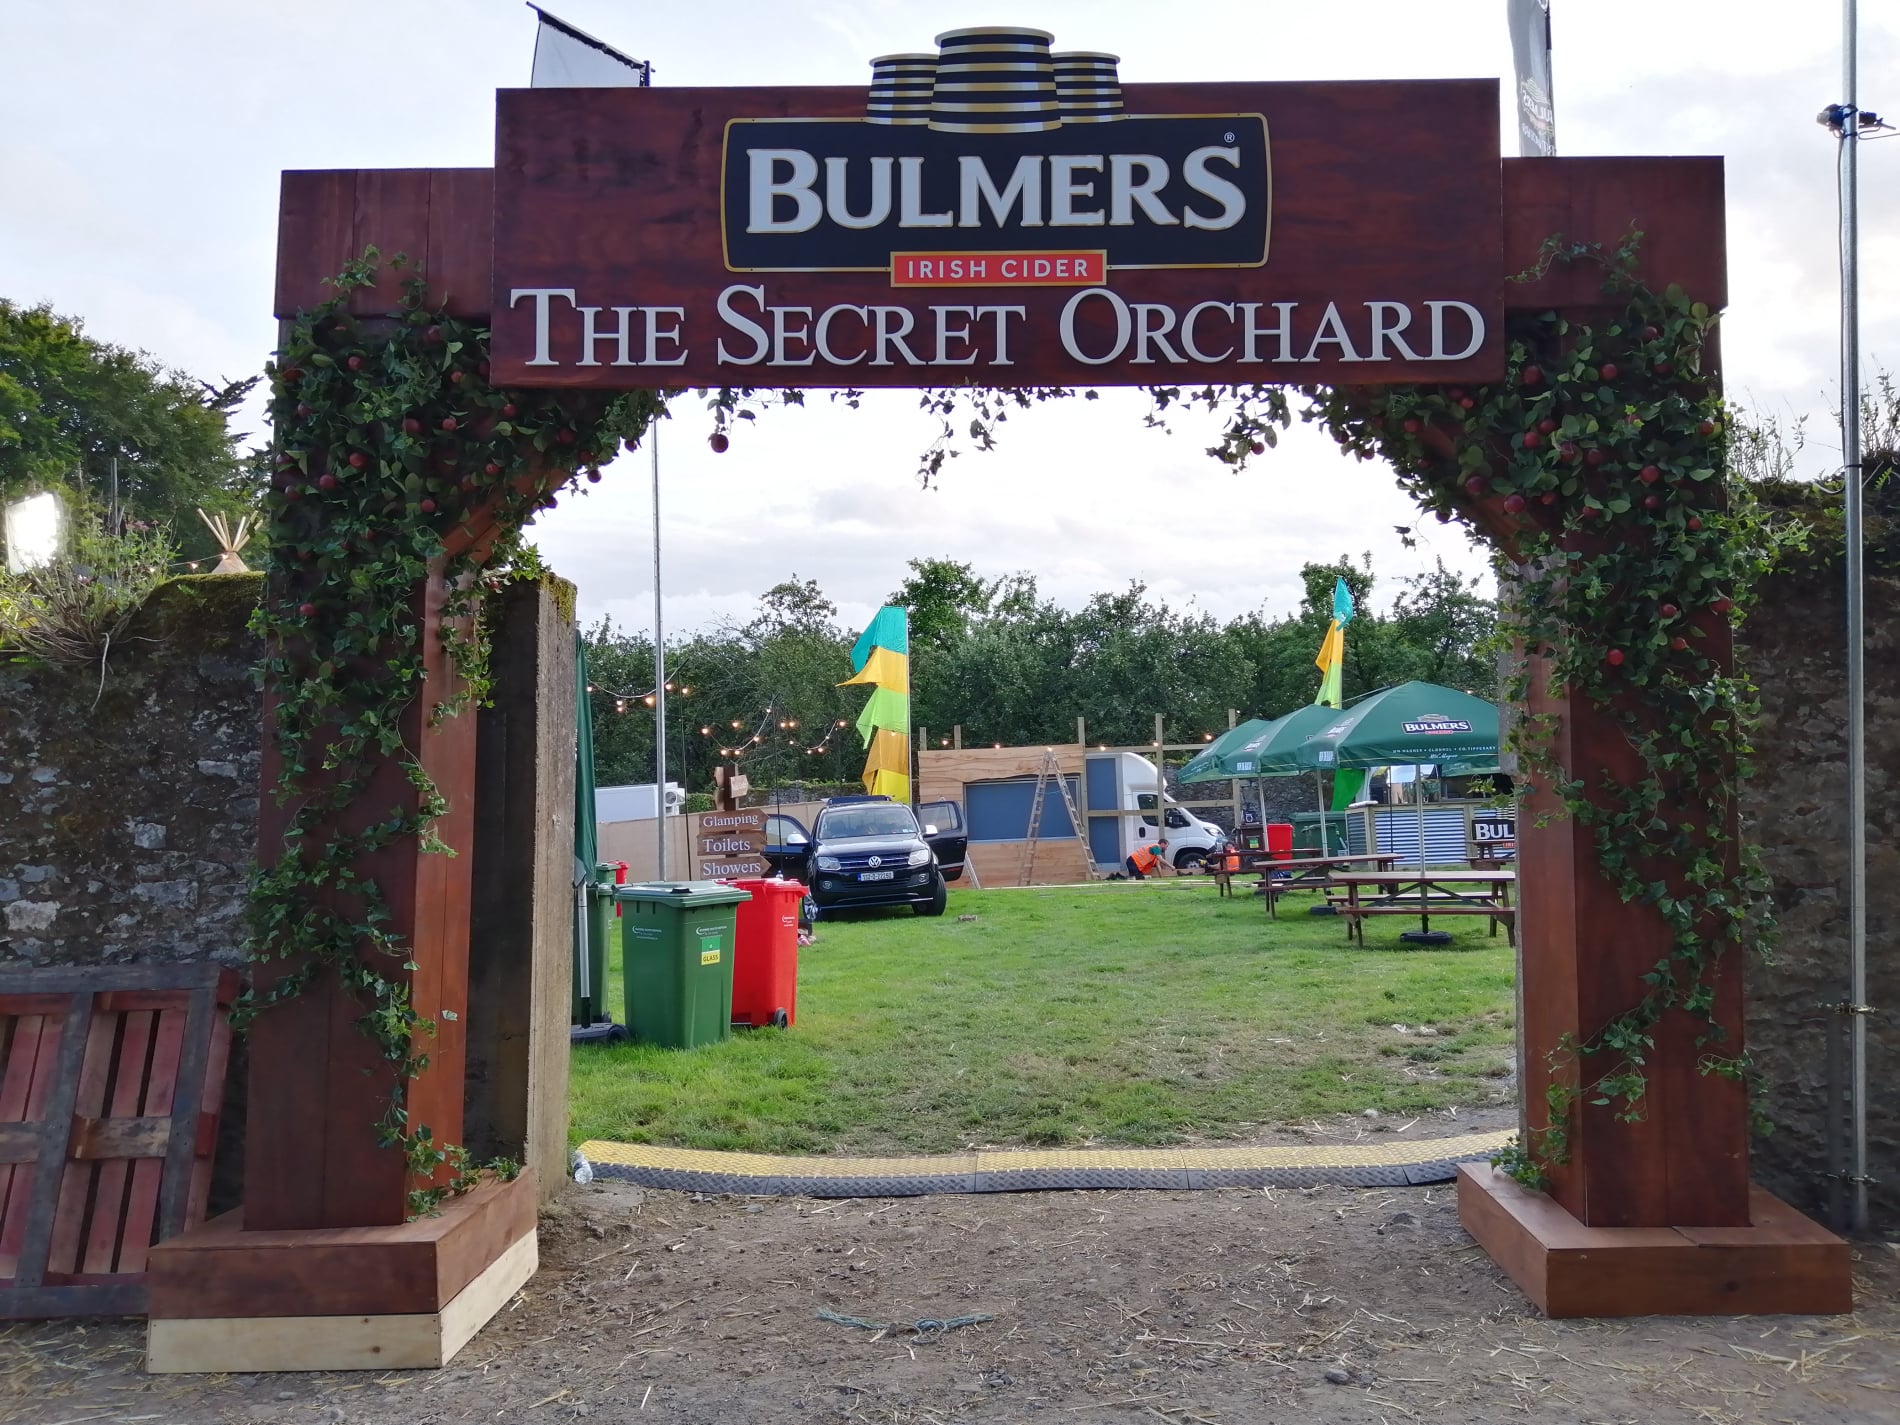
(728, 844)
(1493, 834)
(1300, 232)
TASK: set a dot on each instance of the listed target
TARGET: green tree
(74, 410)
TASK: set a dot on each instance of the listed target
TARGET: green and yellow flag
(881, 658)
(1332, 649)
(1332, 666)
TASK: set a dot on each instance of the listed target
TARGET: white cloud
(143, 145)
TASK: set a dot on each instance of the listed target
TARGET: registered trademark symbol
(1226, 138)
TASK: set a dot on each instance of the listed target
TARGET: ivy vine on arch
(1597, 466)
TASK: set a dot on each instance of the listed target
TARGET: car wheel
(1189, 859)
(936, 903)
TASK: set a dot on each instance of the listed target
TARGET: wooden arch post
(1653, 1217)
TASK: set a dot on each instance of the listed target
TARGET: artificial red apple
(448, 423)
(1678, 643)
(1412, 425)
(1532, 440)
(1547, 426)
(1607, 371)
(593, 477)
(564, 436)
(1722, 606)
(411, 426)
(1614, 658)
(326, 481)
(1694, 522)
(1549, 497)
(1652, 502)
(1533, 376)
(1258, 447)
(719, 442)
(1468, 403)
(491, 469)
(1650, 475)
(1706, 428)
(1567, 453)
(509, 410)
(1476, 485)
(358, 460)
(427, 507)
(1668, 610)
(1514, 504)
(1593, 457)
(307, 610)
(1651, 333)
(355, 363)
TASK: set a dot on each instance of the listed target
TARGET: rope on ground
(925, 1327)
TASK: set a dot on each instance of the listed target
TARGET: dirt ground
(1187, 1307)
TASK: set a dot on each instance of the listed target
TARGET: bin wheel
(780, 1019)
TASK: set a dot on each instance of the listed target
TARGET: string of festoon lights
(621, 699)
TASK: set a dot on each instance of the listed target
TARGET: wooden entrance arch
(1656, 1216)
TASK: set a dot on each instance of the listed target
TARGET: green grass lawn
(1139, 1014)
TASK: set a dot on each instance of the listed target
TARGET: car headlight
(827, 863)
(920, 857)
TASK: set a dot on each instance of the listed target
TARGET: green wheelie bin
(676, 940)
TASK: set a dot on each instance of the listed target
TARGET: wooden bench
(1504, 915)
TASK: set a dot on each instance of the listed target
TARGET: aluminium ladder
(1050, 770)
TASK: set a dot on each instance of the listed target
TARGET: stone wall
(128, 802)
(1796, 809)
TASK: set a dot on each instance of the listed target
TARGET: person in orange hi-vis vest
(1145, 861)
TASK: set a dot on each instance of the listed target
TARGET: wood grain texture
(1381, 191)
(224, 1269)
(318, 1085)
(1678, 204)
(438, 217)
(380, 1342)
(1776, 1262)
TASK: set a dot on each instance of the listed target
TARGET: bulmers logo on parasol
(996, 162)
(1437, 726)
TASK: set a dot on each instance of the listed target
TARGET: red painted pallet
(111, 1081)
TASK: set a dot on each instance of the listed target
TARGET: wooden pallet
(111, 1081)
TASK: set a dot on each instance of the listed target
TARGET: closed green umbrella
(586, 831)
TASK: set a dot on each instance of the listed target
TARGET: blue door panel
(999, 811)
(1104, 831)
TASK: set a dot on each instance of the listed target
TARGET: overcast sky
(141, 141)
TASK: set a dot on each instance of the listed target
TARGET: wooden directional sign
(1301, 232)
(729, 843)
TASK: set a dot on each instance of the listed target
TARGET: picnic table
(1309, 873)
(1427, 893)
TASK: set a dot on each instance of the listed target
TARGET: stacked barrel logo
(881, 658)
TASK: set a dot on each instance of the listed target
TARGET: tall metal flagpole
(1856, 631)
(659, 667)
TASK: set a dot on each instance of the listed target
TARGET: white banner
(567, 58)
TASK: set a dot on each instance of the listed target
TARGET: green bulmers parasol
(1210, 764)
(1412, 724)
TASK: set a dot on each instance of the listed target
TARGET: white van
(1128, 782)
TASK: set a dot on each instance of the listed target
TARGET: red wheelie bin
(765, 954)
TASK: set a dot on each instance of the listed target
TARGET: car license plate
(876, 875)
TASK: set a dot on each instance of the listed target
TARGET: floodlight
(32, 531)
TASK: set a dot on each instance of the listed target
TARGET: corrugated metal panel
(1444, 834)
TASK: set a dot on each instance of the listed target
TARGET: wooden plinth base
(1782, 1263)
(341, 1298)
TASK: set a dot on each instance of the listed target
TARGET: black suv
(870, 851)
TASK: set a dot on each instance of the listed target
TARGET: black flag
(1530, 45)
